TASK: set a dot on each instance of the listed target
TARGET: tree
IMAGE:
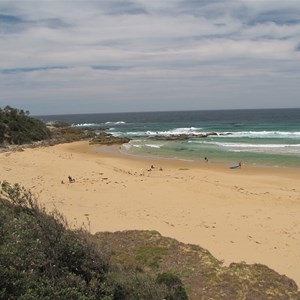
(16, 127)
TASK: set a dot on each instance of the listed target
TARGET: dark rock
(177, 137)
(108, 139)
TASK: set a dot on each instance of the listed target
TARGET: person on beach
(240, 164)
(206, 159)
(71, 180)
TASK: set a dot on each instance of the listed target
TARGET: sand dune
(249, 214)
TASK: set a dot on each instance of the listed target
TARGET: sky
(98, 56)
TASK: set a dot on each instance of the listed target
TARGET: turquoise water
(256, 137)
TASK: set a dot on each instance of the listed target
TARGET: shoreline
(226, 164)
(115, 151)
(248, 214)
(217, 155)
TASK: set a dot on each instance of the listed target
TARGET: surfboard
(235, 167)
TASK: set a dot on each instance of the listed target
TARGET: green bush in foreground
(41, 258)
(173, 284)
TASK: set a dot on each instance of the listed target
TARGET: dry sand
(248, 214)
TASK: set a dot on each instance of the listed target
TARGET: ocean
(262, 137)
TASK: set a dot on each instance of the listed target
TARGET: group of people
(152, 167)
(72, 180)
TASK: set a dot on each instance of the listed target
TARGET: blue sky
(81, 56)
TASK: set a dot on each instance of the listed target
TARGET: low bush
(16, 127)
(174, 285)
(40, 256)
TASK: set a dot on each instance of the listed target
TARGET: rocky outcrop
(181, 137)
(108, 139)
(177, 137)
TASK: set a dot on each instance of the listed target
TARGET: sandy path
(249, 214)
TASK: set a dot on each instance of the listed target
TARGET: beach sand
(249, 214)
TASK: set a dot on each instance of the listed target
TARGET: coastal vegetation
(42, 258)
(16, 127)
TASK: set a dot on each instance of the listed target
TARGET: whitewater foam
(115, 123)
(85, 125)
(176, 131)
(153, 146)
(246, 145)
(266, 134)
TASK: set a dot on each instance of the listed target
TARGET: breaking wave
(258, 148)
(246, 145)
(150, 133)
(85, 125)
(266, 134)
(194, 132)
(153, 145)
(115, 123)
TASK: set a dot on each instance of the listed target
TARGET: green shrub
(174, 285)
(40, 257)
(126, 285)
(16, 127)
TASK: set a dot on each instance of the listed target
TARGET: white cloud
(170, 49)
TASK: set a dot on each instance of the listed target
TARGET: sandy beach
(249, 214)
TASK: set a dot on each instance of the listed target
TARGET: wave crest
(266, 134)
(85, 125)
(115, 123)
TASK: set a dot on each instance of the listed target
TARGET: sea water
(267, 137)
